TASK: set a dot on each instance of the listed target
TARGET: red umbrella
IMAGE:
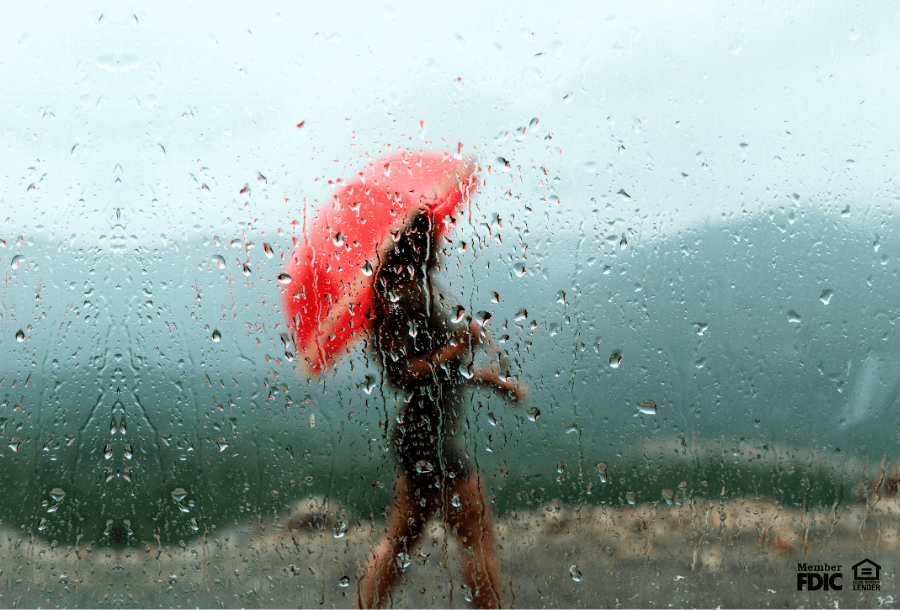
(329, 291)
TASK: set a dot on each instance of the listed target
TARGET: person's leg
(473, 524)
(406, 521)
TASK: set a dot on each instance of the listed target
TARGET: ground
(731, 553)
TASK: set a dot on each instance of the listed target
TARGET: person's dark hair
(412, 255)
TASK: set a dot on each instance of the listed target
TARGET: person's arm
(490, 377)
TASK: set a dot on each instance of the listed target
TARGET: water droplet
(826, 295)
(16, 261)
(219, 261)
(338, 239)
(623, 244)
(630, 497)
(369, 384)
(107, 452)
(340, 528)
(467, 593)
(575, 573)
(179, 494)
(647, 407)
(57, 494)
(601, 468)
(129, 451)
(700, 327)
(519, 269)
(793, 317)
(668, 496)
(267, 249)
(284, 278)
(533, 414)
(423, 466)
(246, 269)
(403, 561)
(455, 501)
(460, 312)
(344, 582)
(216, 336)
(20, 336)
(221, 444)
(367, 269)
(42, 525)
(14, 444)
(615, 360)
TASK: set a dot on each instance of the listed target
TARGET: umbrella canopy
(329, 292)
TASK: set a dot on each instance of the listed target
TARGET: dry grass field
(732, 553)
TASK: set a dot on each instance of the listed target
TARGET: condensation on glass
(683, 241)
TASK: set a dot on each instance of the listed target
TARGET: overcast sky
(699, 113)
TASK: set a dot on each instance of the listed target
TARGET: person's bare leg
(406, 521)
(473, 524)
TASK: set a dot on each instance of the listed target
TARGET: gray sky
(698, 113)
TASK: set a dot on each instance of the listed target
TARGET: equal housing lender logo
(829, 577)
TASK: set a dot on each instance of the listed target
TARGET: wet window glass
(388, 305)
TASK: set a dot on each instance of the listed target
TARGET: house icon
(866, 570)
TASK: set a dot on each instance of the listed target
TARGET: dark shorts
(425, 441)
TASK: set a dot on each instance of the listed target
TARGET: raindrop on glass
(460, 312)
(219, 261)
(216, 336)
(647, 407)
(284, 278)
(467, 593)
(615, 360)
(20, 336)
(575, 573)
(340, 528)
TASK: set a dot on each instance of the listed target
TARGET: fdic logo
(825, 577)
(815, 577)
